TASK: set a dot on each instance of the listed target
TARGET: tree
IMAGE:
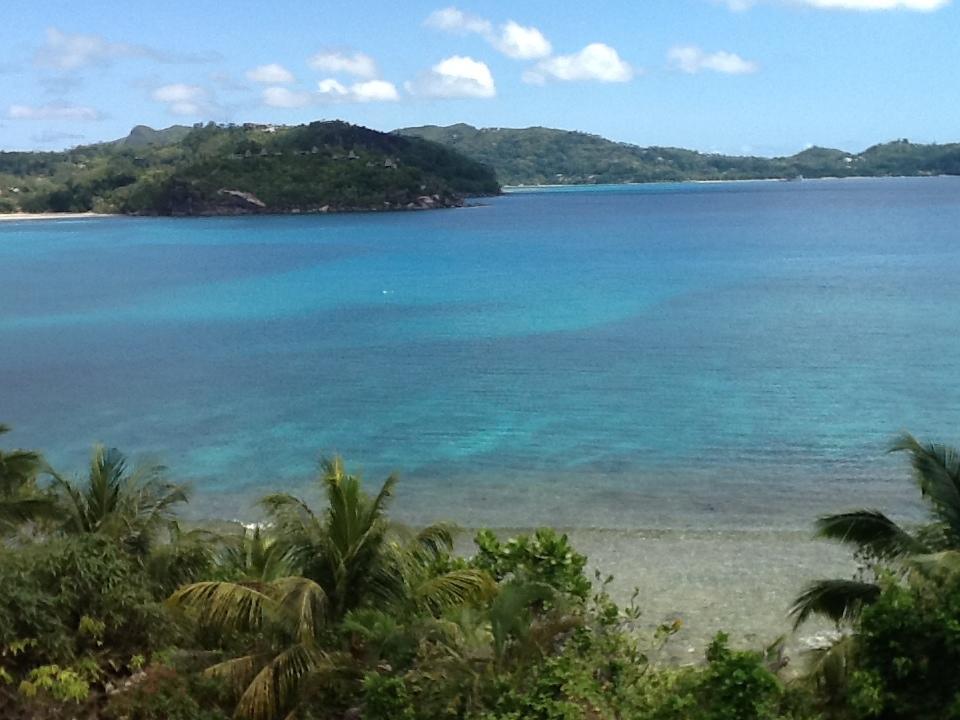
(880, 541)
(21, 501)
(359, 558)
(131, 506)
(348, 559)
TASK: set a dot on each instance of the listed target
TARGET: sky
(766, 77)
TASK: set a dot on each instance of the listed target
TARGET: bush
(161, 693)
(545, 557)
(908, 651)
(67, 599)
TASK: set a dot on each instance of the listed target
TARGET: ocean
(681, 356)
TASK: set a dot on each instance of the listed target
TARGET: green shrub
(161, 693)
(386, 698)
(68, 599)
(908, 652)
(545, 557)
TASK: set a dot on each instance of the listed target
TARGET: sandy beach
(741, 583)
(13, 217)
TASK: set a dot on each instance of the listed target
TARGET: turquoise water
(628, 356)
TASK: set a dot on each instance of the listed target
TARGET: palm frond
(275, 687)
(436, 540)
(239, 672)
(869, 530)
(19, 510)
(225, 605)
(838, 600)
(306, 603)
(451, 589)
(937, 471)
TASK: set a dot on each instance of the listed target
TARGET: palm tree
(286, 618)
(354, 553)
(21, 501)
(253, 556)
(879, 541)
(133, 506)
(349, 558)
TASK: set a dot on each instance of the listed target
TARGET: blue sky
(738, 76)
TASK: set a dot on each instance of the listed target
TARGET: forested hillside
(537, 156)
(217, 169)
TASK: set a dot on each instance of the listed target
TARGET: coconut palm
(21, 501)
(286, 619)
(878, 540)
(132, 505)
(359, 558)
(349, 557)
(253, 555)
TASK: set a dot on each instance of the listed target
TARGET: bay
(681, 356)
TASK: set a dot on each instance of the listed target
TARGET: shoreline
(15, 217)
(507, 189)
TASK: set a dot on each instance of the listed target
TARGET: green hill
(216, 169)
(537, 155)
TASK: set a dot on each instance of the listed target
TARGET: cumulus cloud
(511, 38)
(281, 97)
(272, 74)
(182, 99)
(53, 111)
(454, 77)
(357, 64)
(367, 91)
(597, 61)
(522, 43)
(861, 5)
(691, 59)
(71, 51)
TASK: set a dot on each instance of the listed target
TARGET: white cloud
(514, 40)
(182, 99)
(861, 5)
(691, 59)
(272, 74)
(456, 76)
(65, 51)
(71, 51)
(281, 97)
(357, 64)
(522, 43)
(451, 19)
(375, 91)
(596, 61)
(55, 111)
(367, 91)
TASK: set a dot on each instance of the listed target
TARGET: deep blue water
(667, 355)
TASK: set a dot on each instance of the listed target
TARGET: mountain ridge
(539, 155)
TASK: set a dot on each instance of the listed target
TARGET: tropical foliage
(881, 543)
(111, 609)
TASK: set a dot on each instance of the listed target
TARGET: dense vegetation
(110, 609)
(215, 169)
(538, 156)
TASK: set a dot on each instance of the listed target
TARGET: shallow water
(721, 356)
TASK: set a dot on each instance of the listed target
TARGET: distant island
(545, 156)
(243, 169)
(333, 166)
